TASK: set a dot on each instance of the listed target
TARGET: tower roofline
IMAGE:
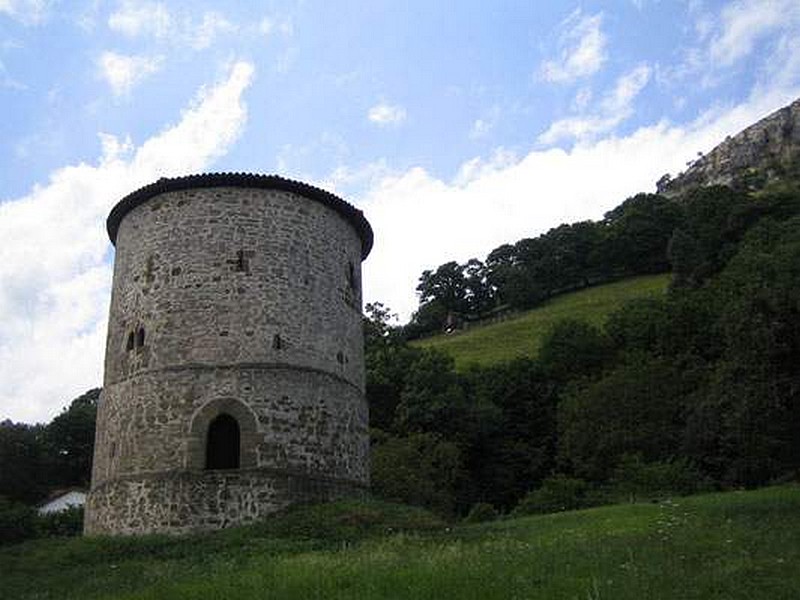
(241, 180)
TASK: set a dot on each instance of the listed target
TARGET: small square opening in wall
(140, 337)
(129, 344)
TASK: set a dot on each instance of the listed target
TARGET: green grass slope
(736, 545)
(522, 335)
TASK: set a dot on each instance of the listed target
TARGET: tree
(69, 442)
(22, 458)
(638, 232)
(573, 349)
(433, 398)
(420, 469)
(637, 408)
(512, 444)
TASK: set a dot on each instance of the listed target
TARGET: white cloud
(481, 127)
(124, 72)
(741, 29)
(27, 12)
(626, 89)
(422, 221)
(53, 262)
(153, 19)
(202, 35)
(582, 99)
(135, 19)
(615, 108)
(582, 49)
(744, 23)
(387, 114)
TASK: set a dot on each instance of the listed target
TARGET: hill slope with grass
(522, 335)
(735, 545)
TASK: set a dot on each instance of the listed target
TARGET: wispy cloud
(27, 12)
(744, 23)
(615, 107)
(482, 126)
(385, 114)
(123, 72)
(741, 29)
(54, 266)
(213, 24)
(582, 49)
(154, 20)
(134, 19)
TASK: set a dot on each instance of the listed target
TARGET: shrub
(346, 520)
(64, 523)
(17, 522)
(556, 494)
(637, 479)
(480, 513)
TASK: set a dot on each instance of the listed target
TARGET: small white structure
(62, 500)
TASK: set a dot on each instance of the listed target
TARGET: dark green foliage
(631, 240)
(637, 407)
(432, 398)
(69, 442)
(64, 523)
(348, 520)
(637, 233)
(481, 513)
(20, 522)
(23, 474)
(513, 441)
(37, 459)
(17, 522)
(636, 480)
(556, 494)
(419, 469)
(574, 349)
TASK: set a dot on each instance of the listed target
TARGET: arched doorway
(223, 443)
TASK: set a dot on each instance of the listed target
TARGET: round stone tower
(234, 370)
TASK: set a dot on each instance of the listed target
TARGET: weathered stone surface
(767, 151)
(238, 301)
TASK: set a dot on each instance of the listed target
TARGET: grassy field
(736, 545)
(522, 335)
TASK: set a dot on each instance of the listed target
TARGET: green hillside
(522, 335)
(736, 545)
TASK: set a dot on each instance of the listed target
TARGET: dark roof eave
(242, 180)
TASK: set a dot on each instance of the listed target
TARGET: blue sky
(455, 126)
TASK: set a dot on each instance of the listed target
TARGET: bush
(65, 523)
(346, 520)
(556, 494)
(636, 479)
(480, 513)
(17, 522)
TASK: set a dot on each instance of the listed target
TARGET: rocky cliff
(765, 152)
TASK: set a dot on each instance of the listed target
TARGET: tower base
(190, 501)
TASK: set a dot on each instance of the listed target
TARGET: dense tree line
(630, 240)
(693, 390)
(37, 459)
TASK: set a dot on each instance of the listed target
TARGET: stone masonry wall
(238, 301)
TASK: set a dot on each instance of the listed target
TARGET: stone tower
(234, 370)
